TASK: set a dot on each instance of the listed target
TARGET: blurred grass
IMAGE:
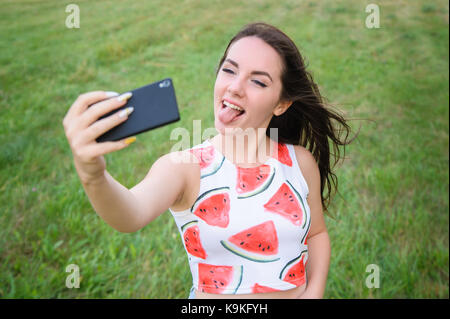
(394, 183)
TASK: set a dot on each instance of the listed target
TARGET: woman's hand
(82, 128)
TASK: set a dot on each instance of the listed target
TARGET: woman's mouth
(229, 112)
(233, 106)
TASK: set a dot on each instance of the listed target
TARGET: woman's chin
(220, 127)
(225, 129)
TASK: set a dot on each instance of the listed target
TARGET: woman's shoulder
(307, 163)
(187, 164)
(303, 153)
(183, 158)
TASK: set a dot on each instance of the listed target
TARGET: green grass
(394, 183)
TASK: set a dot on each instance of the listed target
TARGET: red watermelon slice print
(257, 288)
(216, 279)
(294, 271)
(192, 242)
(210, 161)
(288, 203)
(253, 180)
(258, 243)
(213, 207)
(283, 154)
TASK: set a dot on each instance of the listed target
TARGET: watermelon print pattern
(283, 154)
(210, 160)
(294, 271)
(288, 203)
(253, 180)
(213, 207)
(248, 227)
(305, 236)
(192, 242)
(258, 243)
(216, 279)
(261, 239)
(257, 288)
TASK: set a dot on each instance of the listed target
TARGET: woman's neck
(245, 150)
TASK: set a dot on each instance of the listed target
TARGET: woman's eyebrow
(253, 72)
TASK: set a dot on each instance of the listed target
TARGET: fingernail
(126, 111)
(125, 96)
(111, 93)
(130, 140)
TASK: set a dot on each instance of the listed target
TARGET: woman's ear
(282, 107)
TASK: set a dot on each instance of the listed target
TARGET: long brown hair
(308, 121)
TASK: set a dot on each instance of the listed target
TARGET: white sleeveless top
(246, 232)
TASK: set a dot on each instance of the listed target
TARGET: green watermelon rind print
(209, 193)
(262, 188)
(239, 279)
(306, 232)
(290, 263)
(253, 257)
(305, 215)
(188, 224)
(214, 169)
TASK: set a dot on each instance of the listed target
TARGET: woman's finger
(104, 125)
(94, 112)
(83, 101)
(99, 149)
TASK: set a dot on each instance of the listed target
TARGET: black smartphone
(154, 105)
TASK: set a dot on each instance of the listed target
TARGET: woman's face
(250, 77)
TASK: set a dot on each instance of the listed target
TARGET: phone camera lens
(164, 84)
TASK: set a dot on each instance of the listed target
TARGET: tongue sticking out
(227, 114)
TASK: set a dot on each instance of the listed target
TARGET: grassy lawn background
(393, 211)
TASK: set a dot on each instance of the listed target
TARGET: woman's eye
(260, 84)
(227, 70)
(257, 82)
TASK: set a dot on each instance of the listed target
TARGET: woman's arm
(319, 249)
(123, 209)
(317, 265)
(128, 210)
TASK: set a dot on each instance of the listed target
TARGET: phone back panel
(154, 105)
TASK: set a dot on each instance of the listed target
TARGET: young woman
(248, 202)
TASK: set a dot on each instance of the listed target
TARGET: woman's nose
(236, 86)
